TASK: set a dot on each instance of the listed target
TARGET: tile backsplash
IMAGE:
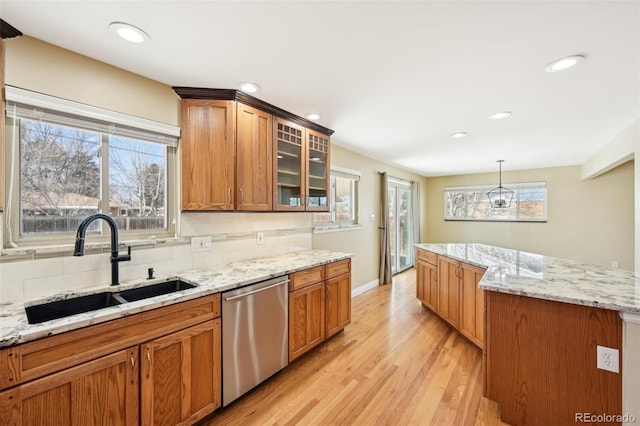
(233, 237)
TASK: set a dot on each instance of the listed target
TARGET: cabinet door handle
(148, 364)
(229, 195)
(241, 196)
(133, 369)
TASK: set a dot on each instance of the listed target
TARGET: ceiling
(393, 79)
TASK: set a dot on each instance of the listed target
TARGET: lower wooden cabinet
(158, 367)
(338, 309)
(100, 392)
(427, 284)
(472, 304)
(319, 305)
(180, 375)
(306, 319)
(449, 288)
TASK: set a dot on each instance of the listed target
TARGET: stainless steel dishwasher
(255, 338)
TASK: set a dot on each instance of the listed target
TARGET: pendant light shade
(500, 197)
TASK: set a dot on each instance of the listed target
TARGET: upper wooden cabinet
(254, 159)
(317, 171)
(241, 153)
(289, 183)
(208, 154)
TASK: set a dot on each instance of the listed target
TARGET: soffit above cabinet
(237, 95)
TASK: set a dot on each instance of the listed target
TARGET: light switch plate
(608, 359)
(260, 237)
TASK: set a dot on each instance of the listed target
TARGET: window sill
(62, 250)
(335, 228)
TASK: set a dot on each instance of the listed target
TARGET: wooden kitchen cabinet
(319, 305)
(427, 279)
(338, 293)
(306, 319)
(317, 172)
(181, 375)
(101, 374)
(449, 290)
(100, 392)
(254, 159)
(289, 183)
(241, 153)
(208, 154)
(472, 304)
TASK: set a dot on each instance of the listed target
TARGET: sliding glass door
(400, 224)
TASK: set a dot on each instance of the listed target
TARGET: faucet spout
(116, 258)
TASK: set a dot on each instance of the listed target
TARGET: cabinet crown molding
(7, 30)
(237, 95)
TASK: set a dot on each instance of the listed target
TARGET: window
(529, 203)
(343, 201)
(65, 167)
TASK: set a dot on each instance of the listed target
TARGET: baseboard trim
(365, 287)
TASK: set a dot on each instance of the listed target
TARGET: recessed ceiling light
(313, 116)
(500, 115)
(129, 32)
(249, 87)
(459, 135)
(564, 63)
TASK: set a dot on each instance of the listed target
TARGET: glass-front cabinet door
(318, 171)
(289, 173)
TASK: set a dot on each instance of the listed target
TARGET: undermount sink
(64, 308)
(92, 302)
(154, 290)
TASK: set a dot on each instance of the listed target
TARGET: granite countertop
(544, 277)
(14, 328)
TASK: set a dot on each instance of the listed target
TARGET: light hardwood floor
(395, 364)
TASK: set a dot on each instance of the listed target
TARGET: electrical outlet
(201, 243)
(260, 237)
(615, 264)
(608, 359)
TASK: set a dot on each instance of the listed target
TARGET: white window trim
(166, 134)
(39, 100)
(327, 227)
(485, 188)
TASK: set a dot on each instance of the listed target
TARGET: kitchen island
(545, 318)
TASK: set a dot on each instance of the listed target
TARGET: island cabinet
(449, 288)
(472, 311)
(427, 279)
(161, 366)
(319, 305)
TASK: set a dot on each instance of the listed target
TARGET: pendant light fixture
(500, 197)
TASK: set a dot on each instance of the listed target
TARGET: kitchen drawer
(428, 256)
(338, 268)
(306, 278)
(48, 355)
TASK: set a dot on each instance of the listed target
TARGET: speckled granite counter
(15, 329)
(534, 275)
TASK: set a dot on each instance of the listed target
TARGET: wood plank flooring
(395, 364)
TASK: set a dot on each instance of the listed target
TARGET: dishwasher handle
(249, 293)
